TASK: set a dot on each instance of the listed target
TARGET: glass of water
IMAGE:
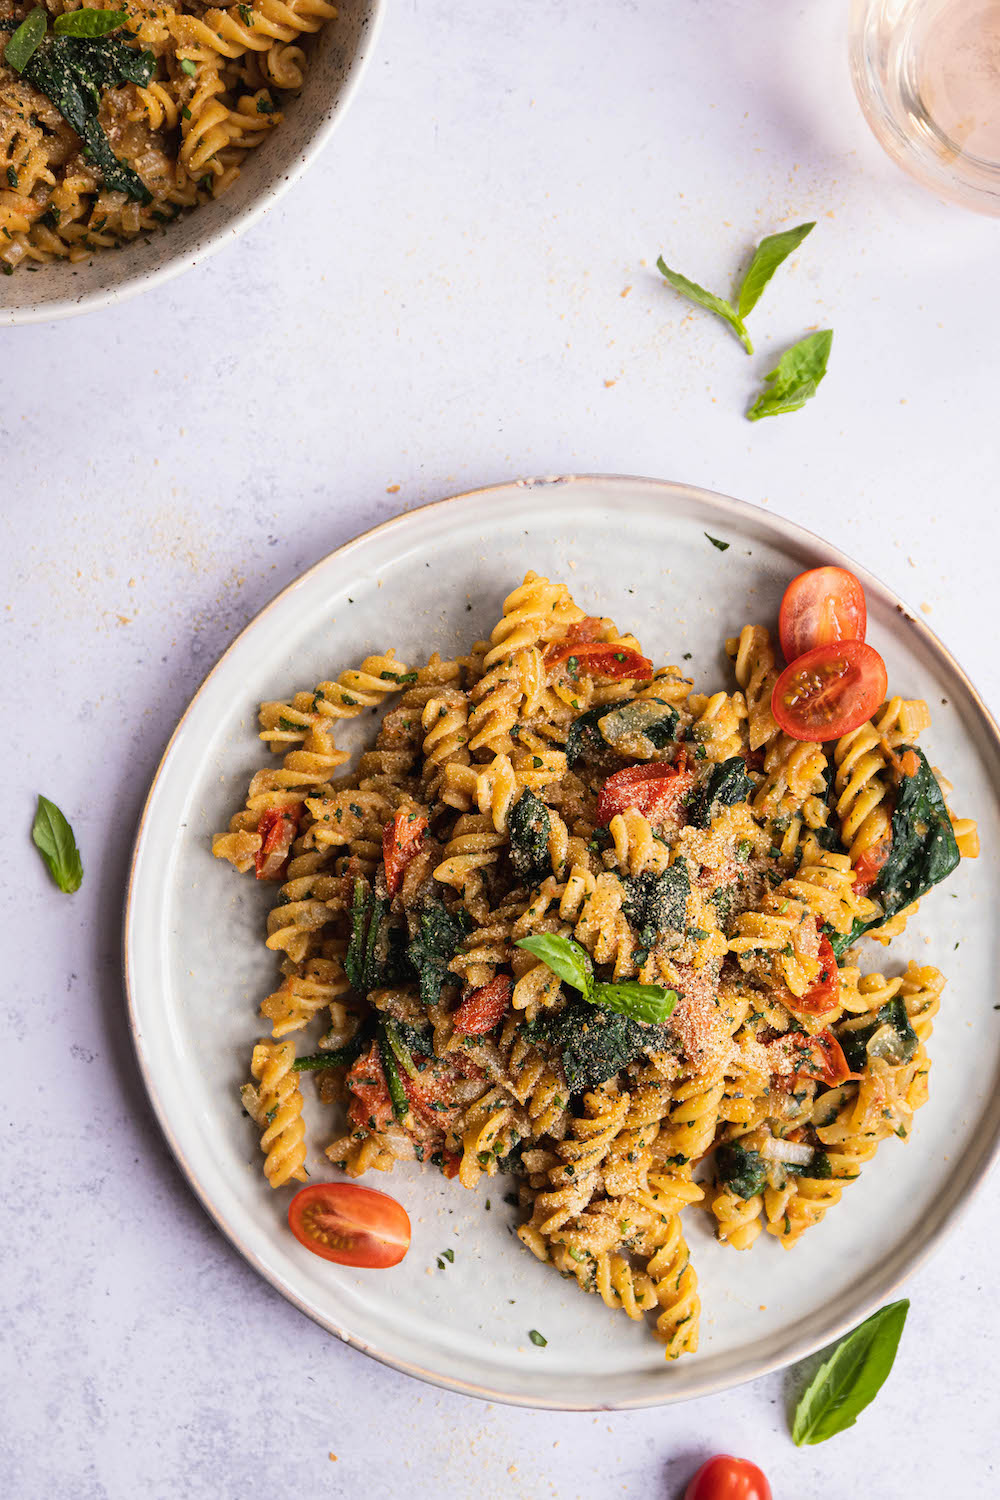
(927, 73)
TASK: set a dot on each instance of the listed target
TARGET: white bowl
(337, 60)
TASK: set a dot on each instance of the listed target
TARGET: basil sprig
(53, 837)
(851, 1378)
(795, 378)
(767, 257)
(571, 961)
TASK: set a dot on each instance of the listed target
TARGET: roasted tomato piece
(820, 1057)
(600, 659)
(821, 607)
(822, 996)
(402, 837)
(354, 1226)
(656, 790)
(869, 866)
(829, 691)
(484, 1008)
(277, 828)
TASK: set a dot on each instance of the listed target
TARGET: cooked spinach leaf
(727, 785)
(655, 904)
(743, 1172)
(923, 852)
(435, 945)
(592, 734)
(73, 72)
(854, 1039)
(528, 827)
(595, 1044)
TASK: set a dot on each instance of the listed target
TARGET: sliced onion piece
(793, 1153)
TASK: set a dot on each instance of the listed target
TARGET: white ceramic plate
(196, 968)
(337, 57)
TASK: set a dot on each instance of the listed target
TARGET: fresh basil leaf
(88, 22)
(73, 72)
(528, 828)
(564, 956)
(853, 1376)
(767, 257)
(795, 378)
(708, 300)
(26, 38)
(53, 837)
(651, 1003)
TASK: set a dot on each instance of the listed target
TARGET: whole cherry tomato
(728, 1478)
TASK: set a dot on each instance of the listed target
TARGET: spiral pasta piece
(276, 1106)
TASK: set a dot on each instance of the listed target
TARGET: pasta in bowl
(159, 131)
(570, 919)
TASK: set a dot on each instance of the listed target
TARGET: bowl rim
(136, 282)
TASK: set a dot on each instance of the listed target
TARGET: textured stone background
(442, 303)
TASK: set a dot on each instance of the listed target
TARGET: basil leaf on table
(767, 257)
(795, 378)
(708, 300)
(88, 22)
(53, 837)
(851, 1378)
(26, 38)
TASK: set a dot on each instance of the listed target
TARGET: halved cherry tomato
(600, 659)
(822, 996)
(354, 1226)
(728, 1478)
(829, 691)
(480, 1011)
(655, 790)
(401, 840)
(820, 1057)
(277, 828)
(821, 607)
(869, 866)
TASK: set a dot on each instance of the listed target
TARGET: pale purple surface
(437, 306)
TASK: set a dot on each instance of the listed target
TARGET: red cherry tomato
(728, 1478)
(277, 827)
(480, 1011)
(600, 659)
(829, 691)
(869, 866)
(821, 607)
(820, 1057)
(401, 840)
(354, 1226)
(823, 994)
(654, 790)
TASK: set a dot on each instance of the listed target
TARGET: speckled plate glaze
(196, 968)
(337, 58)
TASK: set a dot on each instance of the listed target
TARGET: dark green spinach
(854, 1039)
(655, 904)
(593, 1043)
(528, 827)
(727, 785)
(73, 72)
(923, 853)
(439, 937)
(743, 1172)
